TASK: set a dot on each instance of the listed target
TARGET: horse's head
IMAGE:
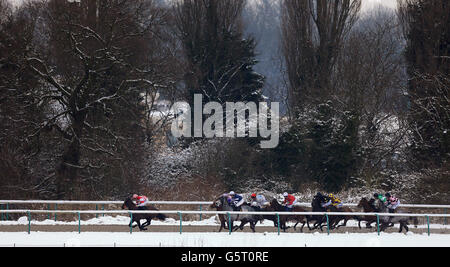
(128, 204)
(274, 202)
(218, 203)
(317, 202)
(362, 203)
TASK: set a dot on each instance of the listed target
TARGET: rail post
(378, 224)
(230, 229)
(428, 224)
(200, 213)
(1, 208)
(328, 224)
(56, 208)
(96, 209)
(79, 223)
(278, 220)
(445, 218)
(7, 208)
(29, 221)
(131, 223)
(181, 222)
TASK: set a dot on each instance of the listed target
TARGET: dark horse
(289, 218)
(316, 205)
(369, 207)
(129, 204)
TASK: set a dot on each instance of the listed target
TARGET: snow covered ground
(124, 220)
(221, 240)
(152, 239)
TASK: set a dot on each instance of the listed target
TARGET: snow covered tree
(92, 61)
(425, 25)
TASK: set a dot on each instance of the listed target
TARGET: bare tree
(370, 80)
(312, 37)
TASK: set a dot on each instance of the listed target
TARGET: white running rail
(77, 202)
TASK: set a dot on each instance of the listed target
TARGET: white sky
(366, 3)
(370, 3)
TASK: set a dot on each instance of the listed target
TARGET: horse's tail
(415, 221)
(161, 216)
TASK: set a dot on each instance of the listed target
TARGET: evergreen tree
(220, 61)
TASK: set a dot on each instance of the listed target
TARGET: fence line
(77, 202)
(229, 213)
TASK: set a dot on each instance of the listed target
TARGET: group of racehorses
(227, 221)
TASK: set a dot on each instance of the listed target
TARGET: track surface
(188, 228)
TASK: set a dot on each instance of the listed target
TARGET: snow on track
(221, 240)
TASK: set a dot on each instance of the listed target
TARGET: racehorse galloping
(369, 207)
(287, 218)
(334, 222)
(388, 221)
(137, 217)
(217, 204)
(223, 205)
(319, 219)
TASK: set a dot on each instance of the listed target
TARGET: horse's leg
(252, 226)
(344, 223)
(301, 229)
(243, 223)
(139, 224)
(295, 226)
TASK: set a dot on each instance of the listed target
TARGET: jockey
(141, 201)
(380, 197)
(392, 202)
(258, 201)
(289, 201)
(332, 200)
(235, 200)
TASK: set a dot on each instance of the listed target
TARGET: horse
(276, 206)
(334, 222)
(223, 205)
(137, 217)
(217, 204)
(388, 221)
(367, 206)
(316, 205)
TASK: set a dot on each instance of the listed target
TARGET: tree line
(366, 96)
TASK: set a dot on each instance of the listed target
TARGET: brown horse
(367, 206)
(137, 217)
(275, 206)
(335, 220)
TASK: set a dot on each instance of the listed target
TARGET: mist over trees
(364, 96)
